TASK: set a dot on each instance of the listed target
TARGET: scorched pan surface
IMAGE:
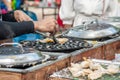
(70, 45)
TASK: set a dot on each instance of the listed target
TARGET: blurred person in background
(17, 4)
(23, 5)
(20, 4)
(76, 12)
(35, 3)
(5, 6)
(59, 21)
(19, 15)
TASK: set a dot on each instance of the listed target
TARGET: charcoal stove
(70, 45)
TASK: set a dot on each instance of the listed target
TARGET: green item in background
(75, 79)
(104, 77)
(13, 4)
(110, 77)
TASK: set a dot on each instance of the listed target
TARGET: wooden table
(105, 50)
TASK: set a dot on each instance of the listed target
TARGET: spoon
(54, 38)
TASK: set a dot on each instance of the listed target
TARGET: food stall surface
(104, 50)
(89, 69)
(35, 71)
(100, 50)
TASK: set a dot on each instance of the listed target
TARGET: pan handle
(10, 44)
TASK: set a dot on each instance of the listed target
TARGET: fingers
(21, 16)
(67, 26)
(51, 23)
(20, 19)
(52, 26)
(46, 25)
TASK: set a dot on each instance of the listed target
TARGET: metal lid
(91, 31)
(15, 56)
(113, 21)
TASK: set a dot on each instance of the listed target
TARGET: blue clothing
(32, 36)
(3, 7)
(29, 37)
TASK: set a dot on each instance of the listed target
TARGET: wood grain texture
(58, 78)
(45, 72)
(96, 53)
(111, 49)
(10, 76)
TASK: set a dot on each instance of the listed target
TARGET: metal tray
(70, 45)
(66, 74)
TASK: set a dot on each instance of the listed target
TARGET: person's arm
(9, 17)
(13, 29)
(16, 15)
(67, 12)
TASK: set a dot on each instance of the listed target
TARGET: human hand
(46, 25)
(67, 26)
(21, 16)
